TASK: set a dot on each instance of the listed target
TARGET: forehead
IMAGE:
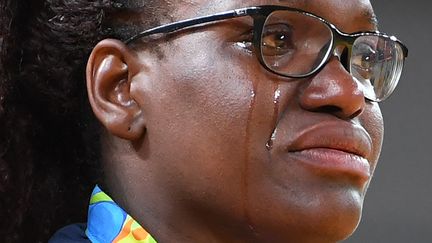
(349, 16)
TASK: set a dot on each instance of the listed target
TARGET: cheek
(198, 120)
(211, 91)
(372, 120)
(213, 83)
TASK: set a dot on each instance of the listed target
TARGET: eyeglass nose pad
(341, 52)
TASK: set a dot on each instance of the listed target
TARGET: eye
(277, 40)
(246, 41)
(363, 59)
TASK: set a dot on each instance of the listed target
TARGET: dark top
(74, 233)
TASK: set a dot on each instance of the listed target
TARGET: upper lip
(346, 137)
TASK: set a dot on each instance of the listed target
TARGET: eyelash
(246, 41)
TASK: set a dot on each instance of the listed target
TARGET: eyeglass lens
(295, 44)
(376, 62)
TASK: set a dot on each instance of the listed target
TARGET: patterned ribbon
(107, 222)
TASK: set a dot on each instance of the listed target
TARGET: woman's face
(241, 147)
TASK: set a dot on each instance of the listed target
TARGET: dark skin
(186, 149)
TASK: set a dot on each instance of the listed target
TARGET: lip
(334, 149)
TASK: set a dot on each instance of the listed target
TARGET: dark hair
(49, 142)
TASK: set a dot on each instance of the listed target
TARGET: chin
(316, 229)
(335, 218)
(326, 216)
(337, 227)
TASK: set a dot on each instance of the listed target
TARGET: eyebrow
(366, 12)
(372, 18)
(301, 5)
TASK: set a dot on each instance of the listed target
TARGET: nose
(333, 90)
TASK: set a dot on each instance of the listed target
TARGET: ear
(110, 70)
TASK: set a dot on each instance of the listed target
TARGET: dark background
(398, 206)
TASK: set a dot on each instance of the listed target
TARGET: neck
(134, 186)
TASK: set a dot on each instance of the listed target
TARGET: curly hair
(49, 141)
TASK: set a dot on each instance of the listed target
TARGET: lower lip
(334, 162)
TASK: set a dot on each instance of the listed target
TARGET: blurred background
(398, 205)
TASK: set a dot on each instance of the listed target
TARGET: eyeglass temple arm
(168, 28)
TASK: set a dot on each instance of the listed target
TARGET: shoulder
(71, 233)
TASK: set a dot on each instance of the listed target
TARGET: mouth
(333, 149)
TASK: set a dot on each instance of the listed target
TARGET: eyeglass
(296, 44)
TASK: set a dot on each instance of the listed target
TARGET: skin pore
(205, 145)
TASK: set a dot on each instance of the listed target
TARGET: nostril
(329, 109)
(356, 114)
(338, 111)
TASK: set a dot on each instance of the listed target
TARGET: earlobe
(110, 70)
